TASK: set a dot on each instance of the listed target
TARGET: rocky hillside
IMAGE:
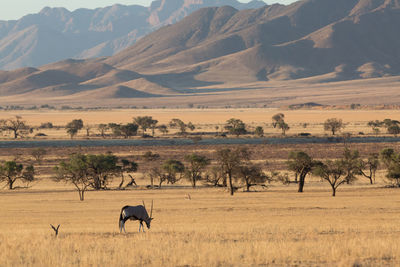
(55, 33)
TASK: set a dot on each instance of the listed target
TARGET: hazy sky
(14, 9)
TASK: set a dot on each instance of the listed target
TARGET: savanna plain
(270, 226)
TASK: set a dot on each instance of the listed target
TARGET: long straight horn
(143, 204)
(151, 211)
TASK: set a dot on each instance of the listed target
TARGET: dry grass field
(272, 227)
(205, 120)
(278, 227)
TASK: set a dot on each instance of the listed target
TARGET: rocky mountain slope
(312, 41)
(55, 33)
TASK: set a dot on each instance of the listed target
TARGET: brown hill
(310, 41)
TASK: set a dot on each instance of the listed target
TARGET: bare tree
(127, 167)
(38, 154)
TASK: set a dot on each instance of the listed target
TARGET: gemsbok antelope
(135, 213)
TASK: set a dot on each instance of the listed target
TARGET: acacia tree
(128, 130)
(333, 172)
(236, 127)
(215, 176)
(392, 126)
(11, 171)
(17, 126)
(259, 131)
(391, 161)
(278, 121)
(145, 122)
(171, 169)
(74, 171)
(154, 170)
(73, 127)
(301, 164)
(163, 129)
(277, 118)
(177, 123)
(101, 169)
(251, 175)
(334, 125)
(102, 129)
(375, 125)
(284, 127)
(351, 163)
(229, 160)
(197, 163)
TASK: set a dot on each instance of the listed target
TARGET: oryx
(135, 213)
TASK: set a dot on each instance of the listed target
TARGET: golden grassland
(204, 119)
(272, 227)
(276, 227)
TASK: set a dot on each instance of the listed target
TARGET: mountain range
(55, 34)
(226, 55)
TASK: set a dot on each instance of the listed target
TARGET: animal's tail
(121, 220)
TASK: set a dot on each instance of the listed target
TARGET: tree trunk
(248, 186)
(301, 184)
(81, 195)
(231, 185)
(193, 182)
(333, 191)
(15, 134)
(10, 184)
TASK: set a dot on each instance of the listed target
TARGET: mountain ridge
(58, 33)
(225, 52)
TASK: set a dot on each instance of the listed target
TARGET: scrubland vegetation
(214, 205)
